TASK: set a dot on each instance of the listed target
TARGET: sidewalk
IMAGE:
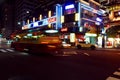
(112, 49)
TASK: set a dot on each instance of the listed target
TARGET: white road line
(86, 54)
(2, 50)
(117, 73)
(112, 78)
(24, 53)
(10, 50)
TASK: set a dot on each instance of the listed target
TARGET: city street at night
(73, 64)
(59, 39)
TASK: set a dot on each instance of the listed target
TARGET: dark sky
(1, 1)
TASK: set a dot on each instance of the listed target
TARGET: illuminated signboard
(69, 9)
(35, 24)
(69, 6)
(41, 23)
(25, 27)
(52, 20)
(44, 22)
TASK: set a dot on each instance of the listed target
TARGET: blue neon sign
(70, 6)
(43, 22)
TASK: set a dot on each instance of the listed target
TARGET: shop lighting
(28, 21)
(62, 19)
(76, 17)
(51, 31)
(90, 34)
(49, 14)
(33, 19)
(40, 17)
(29, 34)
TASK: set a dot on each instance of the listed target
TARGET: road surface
(73, 64)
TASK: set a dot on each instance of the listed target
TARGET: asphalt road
(73, 64)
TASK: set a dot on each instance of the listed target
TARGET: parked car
(81, 45)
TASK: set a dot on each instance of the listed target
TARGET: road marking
(86, 54)
(2, 50)
(10, 50)
(117, 73)
(112, 78)
(24, 53)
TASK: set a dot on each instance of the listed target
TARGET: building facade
(7, 19)
(23, 10)
(78, 19)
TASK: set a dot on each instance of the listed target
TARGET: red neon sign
(51, 20)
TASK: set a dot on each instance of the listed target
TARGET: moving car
(81, 45)
(66, 45)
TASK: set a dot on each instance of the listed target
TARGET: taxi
(81, 45)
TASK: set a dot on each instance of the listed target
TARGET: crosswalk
(6, 50)
(115, 75)
(65, 53)
(10, 50)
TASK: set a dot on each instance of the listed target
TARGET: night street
(59, 39)
(73, 64)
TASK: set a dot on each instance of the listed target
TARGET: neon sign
(69, 6)
(51, 20)
(42, 22)
(25, 27)
(35, 24)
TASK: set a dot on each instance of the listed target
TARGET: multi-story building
(23, 10)
(7, 19)
(75, 18)
(82, 18)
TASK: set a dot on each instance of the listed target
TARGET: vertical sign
(58, 16)
(79, 17)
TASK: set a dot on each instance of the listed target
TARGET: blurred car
(81, 45)
(66, 45)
